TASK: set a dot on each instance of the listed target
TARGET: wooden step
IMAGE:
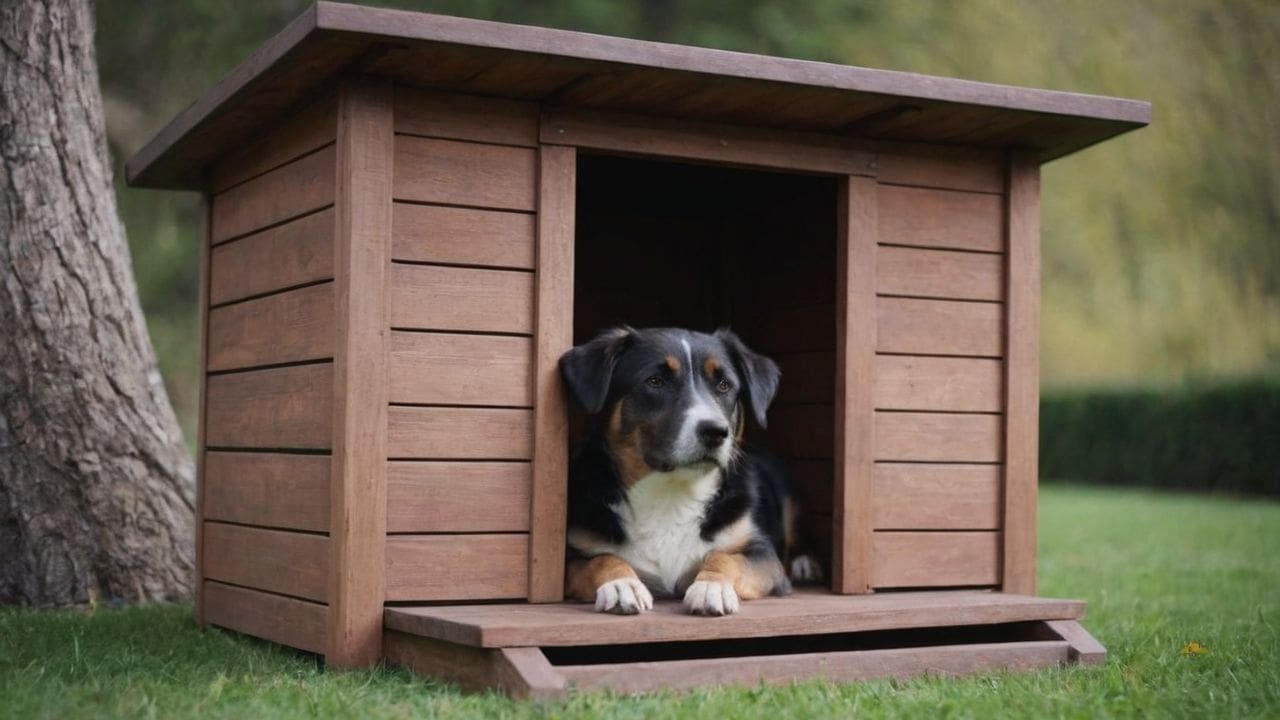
(803, 613)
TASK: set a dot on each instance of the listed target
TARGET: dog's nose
(712, 434)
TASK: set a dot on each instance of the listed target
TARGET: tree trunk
(96, 486)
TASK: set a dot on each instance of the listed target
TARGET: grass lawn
(1159, 571)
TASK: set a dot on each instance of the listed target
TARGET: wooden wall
(460, 305)
(267, 416)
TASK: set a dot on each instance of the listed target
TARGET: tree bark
(96, 485)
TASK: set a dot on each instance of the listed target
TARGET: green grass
(1159, 571)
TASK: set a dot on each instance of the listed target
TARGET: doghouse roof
(615, 74)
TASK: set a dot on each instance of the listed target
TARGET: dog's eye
(723, 386)
(655, 382)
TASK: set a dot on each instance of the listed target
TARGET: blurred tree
(96, 488)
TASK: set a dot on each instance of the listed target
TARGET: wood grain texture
(521, 673)
(936, 166)
(358, 492)
(299, 251)
(425, 297)
(466, 117)
(460, 433)
(275, 490)
(462, 236)
(288, 563)
(944, 274)
(802, 613)
(449, 369)
(290, 326)
(923, 217)
(939, 327)
(652, 136)
(288, 407)
(466, 497)
(463, 173)
(909, 382)
(508, 60)
(854, 385)
(300, 187)
(293, 136)
(1084, 649)
(557, 184)
(846, 666)
(289, 621)
(938, 437)
(911, 496)
(202, 314)
(1022, 378)
(935, 559)
(423, 568)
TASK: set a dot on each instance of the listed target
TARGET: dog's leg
(610, 581)
(801, 558)
(727, 578)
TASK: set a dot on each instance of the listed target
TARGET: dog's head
(670, 398)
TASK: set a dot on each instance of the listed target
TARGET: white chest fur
(663, 520)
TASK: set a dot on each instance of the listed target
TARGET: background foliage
(1161, 248)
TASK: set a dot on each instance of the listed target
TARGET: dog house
(410, 217)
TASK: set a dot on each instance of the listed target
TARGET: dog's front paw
(805, 569)
(627, 596)
(708, 597)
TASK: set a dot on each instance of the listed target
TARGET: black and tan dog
(664, 499)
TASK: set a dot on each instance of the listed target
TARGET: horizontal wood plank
(938, 437)
(312, 128)
(925, 217)
(457, 567)
(934, 559)
(463, 173)
(468, 497)
(907, 496)
(449, 369)
(956, 168)
(465, 117)
(945, 274)
(288, 407)
(909, 382)
(289, 563)
(802, 613)
(939, 327)
(279, 490)
(289, 621)
(460, 433)
(291, 326)
(462, 236)
(684, 139)
(426, 297)
(303, 185)
(846, 666)
(297, 252)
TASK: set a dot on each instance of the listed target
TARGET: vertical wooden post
(557, 182)
(1022, 374)
(855, 367)
(206, 250)
(358, 525)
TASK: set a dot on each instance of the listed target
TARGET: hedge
(1224, 438)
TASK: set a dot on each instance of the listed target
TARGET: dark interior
(704, 246)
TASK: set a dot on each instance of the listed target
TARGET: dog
(664, 497)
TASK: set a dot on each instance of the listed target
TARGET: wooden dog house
(410, 217)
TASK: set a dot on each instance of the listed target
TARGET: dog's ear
(760, 374)
(588, 368)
